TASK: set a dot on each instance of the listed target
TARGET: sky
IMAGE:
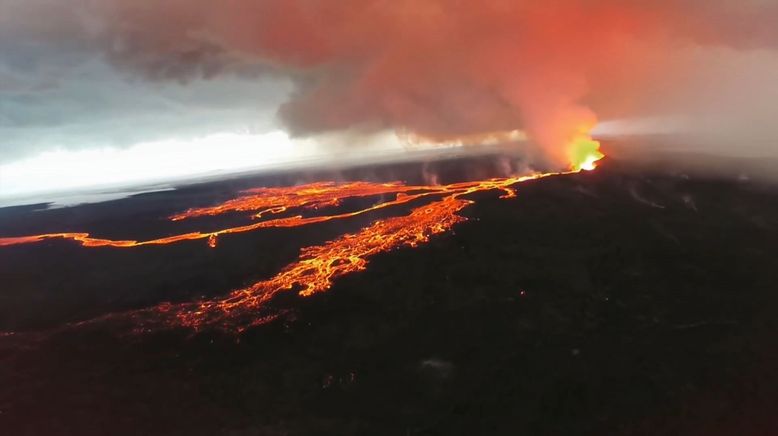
(111, 91)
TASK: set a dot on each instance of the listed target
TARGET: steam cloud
(448, 68)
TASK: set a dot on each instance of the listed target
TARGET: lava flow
(318, 266)
(263, 201)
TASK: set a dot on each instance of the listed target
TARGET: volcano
(627, 300)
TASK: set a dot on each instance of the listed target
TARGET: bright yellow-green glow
(584, 153)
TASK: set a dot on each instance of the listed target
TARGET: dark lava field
(632, 300)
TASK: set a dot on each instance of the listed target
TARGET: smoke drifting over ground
(445, 69)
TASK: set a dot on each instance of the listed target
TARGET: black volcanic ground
(625, 301)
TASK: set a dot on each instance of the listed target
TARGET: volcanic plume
(440, 69)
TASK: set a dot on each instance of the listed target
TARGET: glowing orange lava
(272, 200)
(318, 266)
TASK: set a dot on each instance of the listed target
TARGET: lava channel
(317, 266)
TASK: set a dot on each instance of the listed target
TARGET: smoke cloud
(446, 69)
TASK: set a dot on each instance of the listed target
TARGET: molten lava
(273, 201)
(318, 266)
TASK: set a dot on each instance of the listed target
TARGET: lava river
(317, 266)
